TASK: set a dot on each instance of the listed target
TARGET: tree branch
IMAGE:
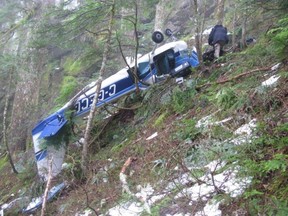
(233, 78)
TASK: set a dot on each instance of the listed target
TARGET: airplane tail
(45, 148)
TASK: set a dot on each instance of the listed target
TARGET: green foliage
(159, 121)
(266, 160)
(72, 67)
(3, 161)
(72, 169)
(252, 193)
(279, 36)
(118, 147)
(280, 209)
(220, 133)
(278, 162)
(259, 49)
(182, 100)
(186, 129)
(62, 138)
(256, 55)
(68, 87)
(226, 98)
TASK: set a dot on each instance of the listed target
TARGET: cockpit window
(184, 52)
(143, 69)
(164, 62)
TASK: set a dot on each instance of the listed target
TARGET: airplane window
(143, 69)
(184, 52)
(165, 62)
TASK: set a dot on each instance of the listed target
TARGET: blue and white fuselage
(171, 59)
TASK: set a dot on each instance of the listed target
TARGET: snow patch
(275, 67)
(246, 128)
(87, 212)
(211, 209)
(208, 121)
(271, 81)
(152, 136)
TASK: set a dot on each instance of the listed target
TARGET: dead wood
(233, 78)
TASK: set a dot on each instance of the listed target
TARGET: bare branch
(43, 210)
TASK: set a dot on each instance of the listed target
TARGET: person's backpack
(209, 55)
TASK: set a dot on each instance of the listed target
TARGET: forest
(211, 143)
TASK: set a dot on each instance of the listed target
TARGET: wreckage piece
(37, 202)
(169, 60)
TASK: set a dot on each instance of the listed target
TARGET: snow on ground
(271, 81)
(152, 136)
(211, 183)
(225, 181)
(86, 212)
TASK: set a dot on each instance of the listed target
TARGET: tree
(132, 18)
(199, 20)
(219, 15)
(84, 157)
(15, 42)
(5, 126)
(160, 15)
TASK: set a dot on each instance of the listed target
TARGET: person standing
(218, 38)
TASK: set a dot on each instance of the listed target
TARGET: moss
(68, 87)
(72, 67)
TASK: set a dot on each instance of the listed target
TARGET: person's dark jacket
(218, 34)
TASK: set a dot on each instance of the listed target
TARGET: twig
(217, 189)
(87, 202)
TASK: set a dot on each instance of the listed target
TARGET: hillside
(215, 144)
(217, 149)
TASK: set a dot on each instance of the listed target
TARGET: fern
(277, 163)
(279, 36)
(182, 100)
(226, 98)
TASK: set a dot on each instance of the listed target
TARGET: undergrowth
(266, 160)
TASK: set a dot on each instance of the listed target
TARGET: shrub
(279, 36)
(182, 100)
(68, 86)
(226, 98)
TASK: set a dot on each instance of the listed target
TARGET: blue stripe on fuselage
(107, 94)
(41, 154)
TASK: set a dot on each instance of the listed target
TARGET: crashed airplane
(169, 60)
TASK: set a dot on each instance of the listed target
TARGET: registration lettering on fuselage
(85, 103)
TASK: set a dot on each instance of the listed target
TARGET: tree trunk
(137, 47)
(160, 15)
(84, 157)
(26, 93)
(234, 28)
(219, 15)
(5, 128)
(243, 37)
(199, 27)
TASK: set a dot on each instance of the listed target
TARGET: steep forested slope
(214, 145)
